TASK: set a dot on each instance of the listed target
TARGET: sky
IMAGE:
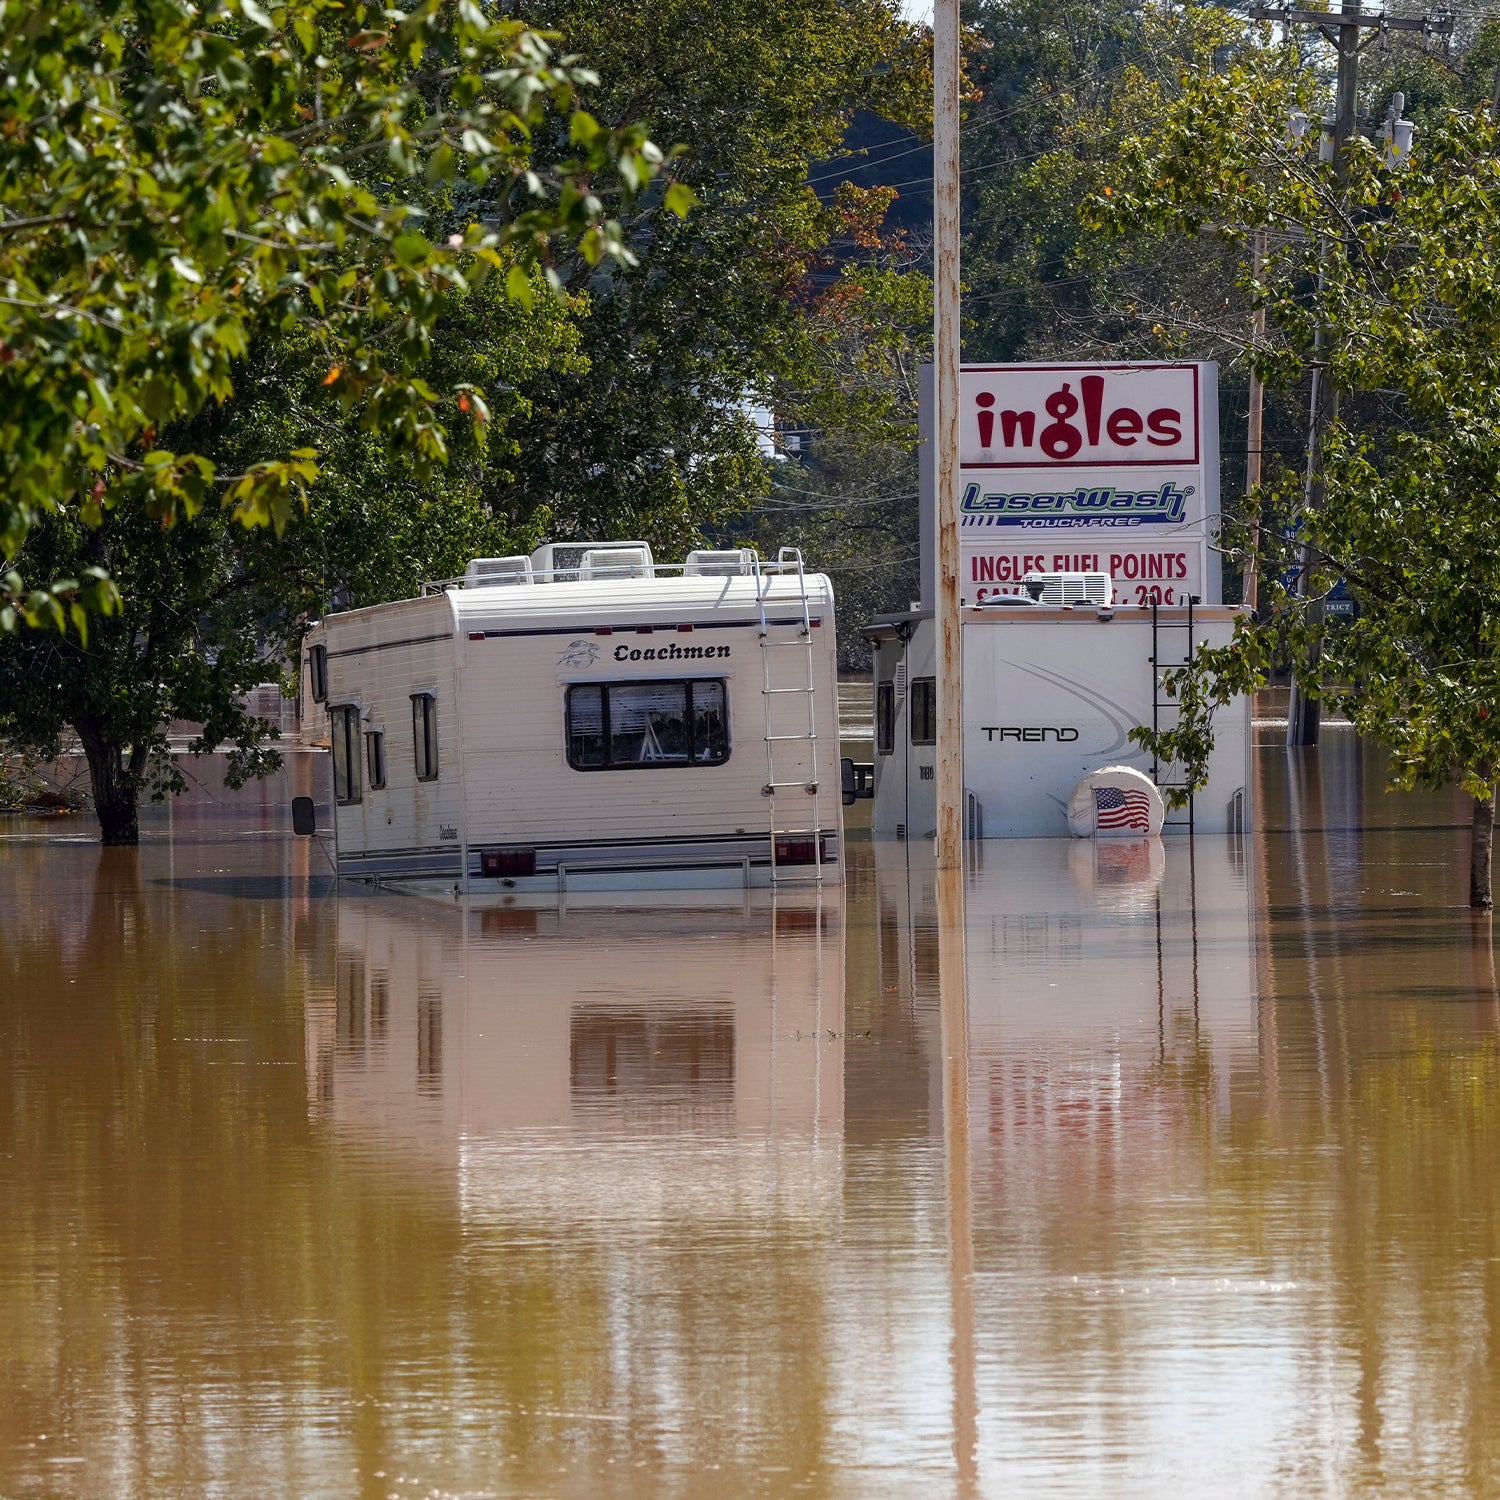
(917, 10)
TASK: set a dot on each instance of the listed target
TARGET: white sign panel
(1090, 468)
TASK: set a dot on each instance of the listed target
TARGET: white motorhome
(586, 718)
(1050, 695)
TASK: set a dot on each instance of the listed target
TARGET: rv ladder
(785, 824)
(1162, 705)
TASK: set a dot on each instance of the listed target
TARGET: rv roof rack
(582, 562)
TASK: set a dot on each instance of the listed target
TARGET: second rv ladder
(790, 797)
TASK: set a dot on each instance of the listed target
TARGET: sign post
(945, 169)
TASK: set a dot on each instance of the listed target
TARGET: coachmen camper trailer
(1050, 696)
(586, 718)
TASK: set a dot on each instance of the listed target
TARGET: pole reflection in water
(1187, 1188)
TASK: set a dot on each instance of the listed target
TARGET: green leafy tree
(845, 490)
(655, 439)
(1398, 264)
(1059, 88)
(211, 609)
(180, 182)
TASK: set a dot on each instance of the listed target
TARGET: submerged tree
(211, 609)
(1399, 266)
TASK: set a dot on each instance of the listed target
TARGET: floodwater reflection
(361, 1196)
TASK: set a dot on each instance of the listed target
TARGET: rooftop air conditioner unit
(1069, 588)
(737, 562)
(484, 572)
(630, 560)
(561, 562)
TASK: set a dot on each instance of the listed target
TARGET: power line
(981, 118)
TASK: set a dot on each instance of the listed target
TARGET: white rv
(586, 718)
(1050, 695)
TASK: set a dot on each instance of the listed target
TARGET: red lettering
(1060, 438)
(1092, 389)
(1125, 426)
(1166, 427)
(984, 569)
(1013, 422)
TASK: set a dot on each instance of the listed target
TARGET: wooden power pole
(946, 67)
(1342, 28)
(1255, 430)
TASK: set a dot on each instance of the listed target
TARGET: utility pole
(1342, 29)
(1255, 427)
(946, 65)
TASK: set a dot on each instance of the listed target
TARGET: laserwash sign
(1090, 469)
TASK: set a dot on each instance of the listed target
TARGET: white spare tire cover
(1117, 802)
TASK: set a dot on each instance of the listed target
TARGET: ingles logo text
(1131, 415)
(1106, 506)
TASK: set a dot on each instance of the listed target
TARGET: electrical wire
(981, 118)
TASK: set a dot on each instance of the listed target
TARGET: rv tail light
(643, 630)
(604, 630)
(500, 862)
(476, 635)
(683, 629)
(798, 851)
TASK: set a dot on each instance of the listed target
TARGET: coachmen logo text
(674, 652)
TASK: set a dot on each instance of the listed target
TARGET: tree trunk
(1483, 827)
(116, 787)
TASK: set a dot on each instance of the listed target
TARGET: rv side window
(618, 725)
(317, 672)
(375, 758)
(923, 710)
(885, 717)
(424, 735)
(345, 737)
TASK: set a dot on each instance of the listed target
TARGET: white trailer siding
(377, 659)
(1049, 696)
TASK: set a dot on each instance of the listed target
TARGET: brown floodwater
(1196, 1192)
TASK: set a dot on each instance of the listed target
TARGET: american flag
(1114, 808)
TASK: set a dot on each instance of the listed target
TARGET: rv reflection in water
(485, 1043)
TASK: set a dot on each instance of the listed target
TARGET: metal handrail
(757, 568)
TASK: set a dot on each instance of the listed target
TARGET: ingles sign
(1117, 464)
(1077, 416)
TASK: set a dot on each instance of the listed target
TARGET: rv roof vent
(484, 571)
(735, 563)
(1069, 588)
(632, 560)
(562, 562)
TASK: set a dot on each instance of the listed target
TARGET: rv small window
(424, 735)
(922, 707)
(375, 758)
(317, 672)
(885, 717)
(344, 719)
(621, 725)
